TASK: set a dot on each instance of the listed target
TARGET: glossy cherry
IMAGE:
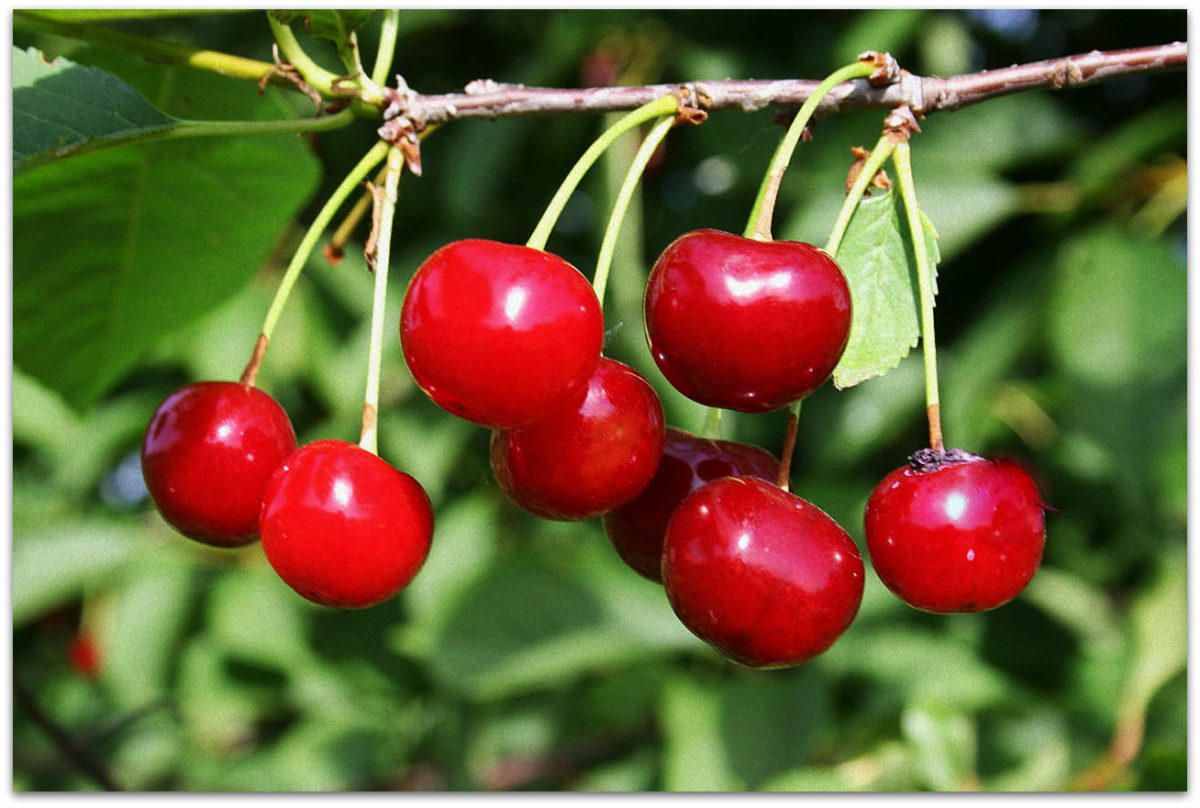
(343, 527)
(688, 461)
(744, 324)
(583, 460)
(207, 455)
(954, 532)
(763, 576)
(498, 333)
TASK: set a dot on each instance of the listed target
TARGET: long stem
(369, 438)
(784, 480)
(387, 46)
(879, 155)
(712, 423)
(155, 49)
(621, 204)
(903, 161)
(320, 222)
(759, 226)
(665, 105)
(317, 77)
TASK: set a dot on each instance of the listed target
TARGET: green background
(525, 655)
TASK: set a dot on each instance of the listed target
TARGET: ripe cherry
(744, 324)
(500, 334)
(84, 655)
(583, 460)
(688, 461)
(207, 455)
(954, 532)
(763, 576)
(343, 527)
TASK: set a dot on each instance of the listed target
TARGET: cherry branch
(485, 98)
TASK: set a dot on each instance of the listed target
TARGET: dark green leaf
(877, 258)
(332, 24)
(61, 108)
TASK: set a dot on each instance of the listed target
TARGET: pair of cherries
(340, 525)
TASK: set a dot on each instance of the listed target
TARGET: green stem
(879, 155)
(369, 439)
(323, 217)
(154, 49)
(712, 423)
(902, 158)
(759, 225)
(387, 46)
(324, 123)
(613, 229)
(664, 105)
(316, 76)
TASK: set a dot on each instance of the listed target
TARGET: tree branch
(488, 99)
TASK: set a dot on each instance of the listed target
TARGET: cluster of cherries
(511, 337)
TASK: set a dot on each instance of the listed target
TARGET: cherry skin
(583, 460)
(343, 527)
(956, 532)
(763, 576)
(500, 334)
(744, 324)
(688, 461)
(207, 455)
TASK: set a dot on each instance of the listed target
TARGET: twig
(70, 749)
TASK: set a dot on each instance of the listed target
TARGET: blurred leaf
(145, 619)
(809, 778)
(1039, 744)
(62, 109)
(254, 616)
(1119, 312)
(1159, 632)
(51, 565)
(694, 757)
(876, 256)
(882, 29)
(1099, 167)
(944, 744)
(332, 24)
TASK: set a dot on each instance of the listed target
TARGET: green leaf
(1159, 629)
(944, 745)
(332, 24)
(876, 256)
(52, 566)
(1119, 309)
(694, 757)
(115, 250)
(62, 108)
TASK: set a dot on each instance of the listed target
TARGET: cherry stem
(387, 45)
(784, 480)
(712, 423)
(309, 241)
(369, 438)
(879, 155)
(902, 158)
(664, 105)
(612, 230)
(317, 77)
(759, 226)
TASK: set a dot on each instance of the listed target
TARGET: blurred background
(525, 655)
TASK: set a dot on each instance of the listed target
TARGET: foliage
(525, 655)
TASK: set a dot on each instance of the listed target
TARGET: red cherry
(500, 334)
(343, 527)
(763, 576)
(83, 655)
(688, 461)
(954, 532)
(207, 455)
(744, 324)
(583, 460)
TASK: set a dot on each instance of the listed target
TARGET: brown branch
(489, 99)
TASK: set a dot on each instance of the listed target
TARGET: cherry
(583, 460)
(207, 455)
(763, 576)
(744, 324)
(342, 526)
(688, 461)
(955, 532)
(83, 655)
(500, 334)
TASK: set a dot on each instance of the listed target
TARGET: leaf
(115, 250)
(944, 746)
(62, 108)
(1159, 630)
(694, 756)
(332, 24)
(876, 256)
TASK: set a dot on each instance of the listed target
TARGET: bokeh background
(525, 655)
